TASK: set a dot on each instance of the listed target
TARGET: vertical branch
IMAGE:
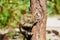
(38, 10)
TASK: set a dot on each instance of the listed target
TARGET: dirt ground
(53, 24)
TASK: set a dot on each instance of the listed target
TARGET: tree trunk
(38, 9)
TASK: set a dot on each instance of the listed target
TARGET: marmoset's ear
(23, 11)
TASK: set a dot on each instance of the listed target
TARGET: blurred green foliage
(11, 11)
(53, 7)
(10, 34)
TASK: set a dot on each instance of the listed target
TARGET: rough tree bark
(38, 9)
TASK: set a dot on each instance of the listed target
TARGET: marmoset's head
(27, 20)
